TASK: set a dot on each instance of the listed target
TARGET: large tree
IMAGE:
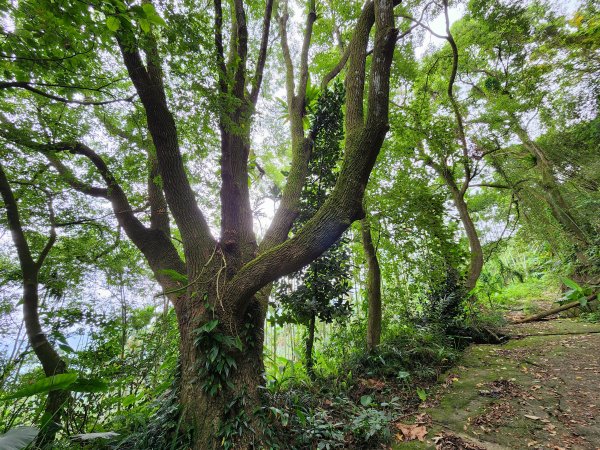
(217, 285)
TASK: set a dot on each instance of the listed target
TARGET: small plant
(422, 394)
(575, 293)
(217, 363)
(371, 423)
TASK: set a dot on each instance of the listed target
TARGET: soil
(540, 390)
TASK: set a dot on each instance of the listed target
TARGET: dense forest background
(273, 224)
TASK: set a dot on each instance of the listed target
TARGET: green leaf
(209, 326)
(144, 25)
(18, 438)
(402, 375)
(174, 275)
(66, 347)
(156, 20)
(422, 394)
(571, 284)
(149, 9)
(53, 383)
(89, 385)
(366, 400)
(128, 400)
(113, 23)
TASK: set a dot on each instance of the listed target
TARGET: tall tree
(508, 70)
(442, 139)
(214, 283)
(51, 361)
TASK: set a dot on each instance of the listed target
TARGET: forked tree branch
(154, 244)
(197, 238)
(301, 145)
(344, 205)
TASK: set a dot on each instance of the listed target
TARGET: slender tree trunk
(476, 252)
(373, 287)
(310, 342)
(50, 360)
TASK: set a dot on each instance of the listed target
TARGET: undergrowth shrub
(354, 406)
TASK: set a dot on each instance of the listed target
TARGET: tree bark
(458, 198)
(310, 341)
(49, 358)
(209, 415)
(373, 287)
(476, 252)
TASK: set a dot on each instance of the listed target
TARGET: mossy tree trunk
(373, 287)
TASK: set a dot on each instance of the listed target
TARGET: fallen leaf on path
(532, 417)
(373, 383)
(410, 432)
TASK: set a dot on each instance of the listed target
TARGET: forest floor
(540, 390)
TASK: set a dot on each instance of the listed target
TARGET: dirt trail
(539, 391)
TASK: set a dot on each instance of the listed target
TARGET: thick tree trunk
(373, 287)
(310, 342)
(220, 385)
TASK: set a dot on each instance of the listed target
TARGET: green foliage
(217, 362)
(521, 65)
(161, 427)
(18, 438)
(320, 289)
(66, 381)
(575, 293)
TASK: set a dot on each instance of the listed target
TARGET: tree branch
(222, 76)
(344, 205)
(28, 265)
(196, 235)
(75, 183)
(336, 70)
(154, 244)
(241, 50)
(29, 87)
(51, 239)
(262, 53)
(301, 145)
(310, 20)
